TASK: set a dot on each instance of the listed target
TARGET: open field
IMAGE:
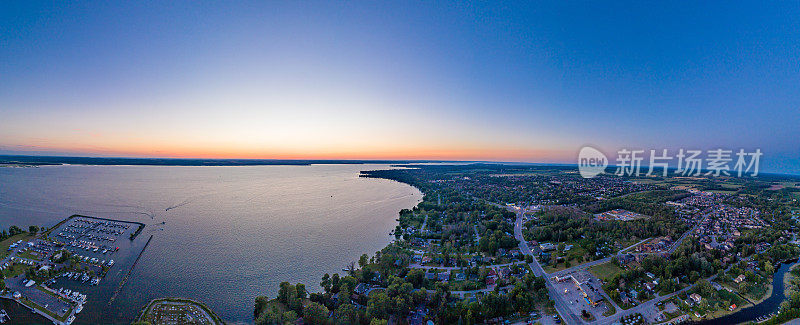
(30, 255)
(605, 271)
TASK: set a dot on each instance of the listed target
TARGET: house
(544, 258)
(418, 258)
(547, 247)
(739, 279)
(732, 307)
(696, 298)
(361, 288)
(505, 272)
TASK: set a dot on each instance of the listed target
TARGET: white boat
(70, 320)
(79, 308)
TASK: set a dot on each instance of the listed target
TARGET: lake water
(230, 234)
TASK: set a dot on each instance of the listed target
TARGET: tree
(301, 290)
(289, 317)
(33, 229)
(346, 314)
(376, 321)
(416, 277)
(326, 282)
(335, 283)
(314, 313)
(14, 230)
(363, 261)
(286, 292)
(769, 268)
(270, 316)
(261, 305)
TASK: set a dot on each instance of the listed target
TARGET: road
(687, 233)
(593, 263)
(560, 304)
(638, 309)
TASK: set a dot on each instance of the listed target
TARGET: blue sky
(492, 81)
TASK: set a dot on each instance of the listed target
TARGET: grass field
(14, 270)
(605, 271)
(30, 255)
(722, 192)
(574, 256)
(13, 239)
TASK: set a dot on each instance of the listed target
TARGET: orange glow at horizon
(462, 152)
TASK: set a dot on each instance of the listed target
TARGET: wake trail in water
(185, 202)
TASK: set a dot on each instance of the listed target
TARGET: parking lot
(39, 297)
(568, 287)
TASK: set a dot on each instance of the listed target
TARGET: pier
(125, 279)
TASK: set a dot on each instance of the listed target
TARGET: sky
(500, 81)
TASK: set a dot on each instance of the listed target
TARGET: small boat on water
(79, 308)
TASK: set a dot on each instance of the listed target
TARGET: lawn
(605, 271)
(30, 255)
(610, 309)
(574, 256)
(13, 239)
(14, 270)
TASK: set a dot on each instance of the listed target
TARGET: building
(361, 288)
(696, 298)
(592, 297)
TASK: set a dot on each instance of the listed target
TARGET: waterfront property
(44, 271)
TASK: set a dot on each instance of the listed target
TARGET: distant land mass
(59, 160)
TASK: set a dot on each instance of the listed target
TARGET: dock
(127, 275)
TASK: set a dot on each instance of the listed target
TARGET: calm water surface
(228, 233)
